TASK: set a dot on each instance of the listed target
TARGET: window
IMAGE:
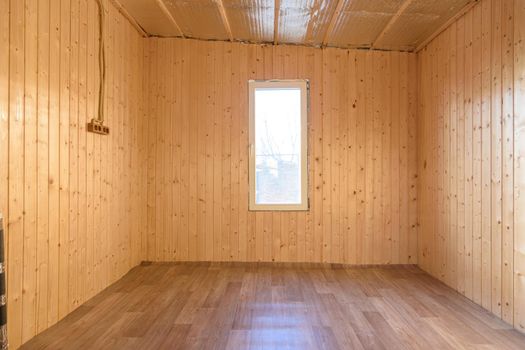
(278, 145)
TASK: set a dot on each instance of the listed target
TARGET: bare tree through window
(278, 146)
(278, 167)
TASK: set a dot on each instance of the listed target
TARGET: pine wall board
(362, 155)
(471, 154)
(72, 201)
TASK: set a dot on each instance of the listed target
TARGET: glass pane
(278, 146)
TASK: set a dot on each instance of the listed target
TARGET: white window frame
(303, 85)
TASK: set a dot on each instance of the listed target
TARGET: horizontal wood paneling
(470, 157)
(73, 201)
(362, 155)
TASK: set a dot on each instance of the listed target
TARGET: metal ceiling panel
(250, 20)
(150, 17)
(198, 18)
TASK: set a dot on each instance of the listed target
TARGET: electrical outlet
(97, 127)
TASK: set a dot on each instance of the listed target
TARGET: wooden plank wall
(471, 154)
(519, 172)
(72, 200)
(362, 155)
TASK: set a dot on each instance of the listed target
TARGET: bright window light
(278, 145)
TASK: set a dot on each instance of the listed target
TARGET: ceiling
(381, 24)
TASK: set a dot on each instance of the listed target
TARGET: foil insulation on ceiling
(380, 24)
(403, 35)
(198, 18)
(304, 21)
(419, 20)
(361, 21)
(250, 20)
(150, 16)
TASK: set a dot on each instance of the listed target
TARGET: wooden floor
(203, 306)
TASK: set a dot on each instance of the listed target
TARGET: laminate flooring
(265, 306)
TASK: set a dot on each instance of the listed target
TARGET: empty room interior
(262, 174)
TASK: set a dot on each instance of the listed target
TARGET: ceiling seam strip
(445, 25)
(164, 9)
(276, 15)
(390, 23)
(335, 16)
(224, 17)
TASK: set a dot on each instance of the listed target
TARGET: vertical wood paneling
(507, 203)
(452, 166)
(316, 201)
(350, 168)
(362, 141)
(360, 107)
(476, 155)
(30, 173)
(460, 157)
(52, 170)
(63, 158)
(53, 160)
(483, 93)
(15, 221)
(5, 107)
(412, 159)
(208, 199)
(519, 164)
(496, 159)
